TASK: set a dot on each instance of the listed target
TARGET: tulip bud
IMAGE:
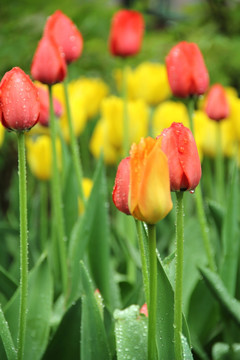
(65, 34)
(48, 64)
(126, 33)
(144, 310)
(142, 186)
(187, 73)
(179, 145)
(44, 106)
(121, 186)
(217, 107)
(149, 197)
(19, 103)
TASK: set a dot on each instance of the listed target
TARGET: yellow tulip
(206, 135)
(39, 156)
(167, 113)
(148, 82)
(108, 133)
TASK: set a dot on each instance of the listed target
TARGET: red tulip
(187, 73)
(65, 34)
(217, 107)
(48, 66)
(178, 143)
(121, 186)
(19, 103)
(44, 106)
(126, 33)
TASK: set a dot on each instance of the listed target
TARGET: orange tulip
(149, 196)
(142, 186)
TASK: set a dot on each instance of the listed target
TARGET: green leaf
(65, 343)
(94, 343)
(222, 351)
(8, 285)
(39, 311)
(220, 292)
(187, 355)
(92, 232)
(218, 212)
(203, 317)
(7, 338)
(131, 334)
(194, 256)
(70, 199)
(230, 238)
(165, 315)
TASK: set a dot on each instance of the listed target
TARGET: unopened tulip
(179, 145)
(142, 186)
(217, 107)
(44, 106)
(19, 102)
(126, 33)
(65, 34)
(149, 197)
(187, 73)
(48, 66)
(121, 186)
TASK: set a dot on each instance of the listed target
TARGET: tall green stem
(178, 277)
(126, 141)
(74, 145)
(219, 165)
(43, 214)
(56, 198)
(23, 243)
(152, 309)
(144, 258)
(199, 200)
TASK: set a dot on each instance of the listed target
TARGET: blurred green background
(213, 24)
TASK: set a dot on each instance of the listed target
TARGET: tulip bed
(119, 204)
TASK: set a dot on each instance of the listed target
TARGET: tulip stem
(56, 198)
(43, 214)
(219, 165)
(152, 308)
(144, 258)
(125, 114)
(199, 202)
(74, 145)
(23, 243)
(178, 277)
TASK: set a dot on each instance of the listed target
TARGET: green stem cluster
(74, 145)
(199, 201)
(125, 114)
(56, 198)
